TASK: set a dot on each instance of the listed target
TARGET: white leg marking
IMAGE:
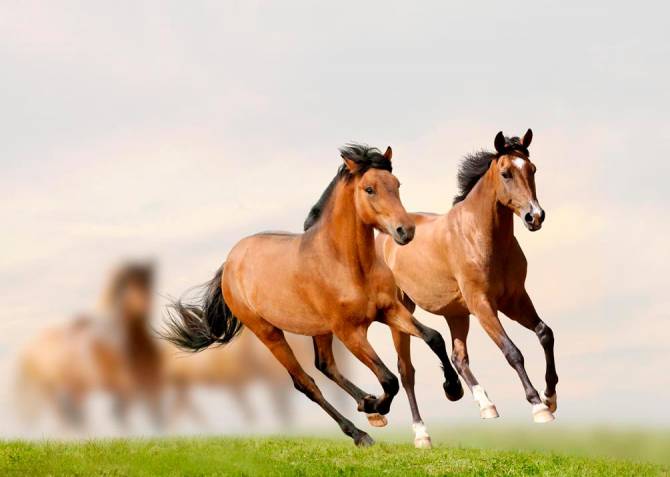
(421, 437)
(487, 410)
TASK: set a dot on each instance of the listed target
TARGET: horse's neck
(351, 239)
(136, 335)
(493, 221)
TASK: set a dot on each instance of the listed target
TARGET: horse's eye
(506, 174)
(369, 190)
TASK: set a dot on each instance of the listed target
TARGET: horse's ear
(499, 143)
(389, 153)
(350, 165)
(527, 138)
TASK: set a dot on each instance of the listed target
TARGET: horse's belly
(434, 296)
(303, 325)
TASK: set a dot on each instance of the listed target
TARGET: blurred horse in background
(233, 368)
(219, 368)
(114, 353)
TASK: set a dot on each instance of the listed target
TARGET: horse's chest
(494, 278)
(365, 301)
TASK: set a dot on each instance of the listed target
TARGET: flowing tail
(194, 327)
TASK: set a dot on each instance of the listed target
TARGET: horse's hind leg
(274, 339)
(325, 362)
(523, 312)
(459, 327)
(356, 341)
(402, 345)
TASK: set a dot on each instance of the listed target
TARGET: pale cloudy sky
(173, 129)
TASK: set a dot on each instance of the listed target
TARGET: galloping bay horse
(327, 281)
(469, 262)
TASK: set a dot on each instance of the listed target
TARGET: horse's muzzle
(533, 217)
(403, 234)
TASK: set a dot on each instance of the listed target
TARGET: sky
(173, 129)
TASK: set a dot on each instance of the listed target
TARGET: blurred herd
(115, 352)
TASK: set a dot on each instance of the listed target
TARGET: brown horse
(469, 262)
(115, 353)
(327, 281)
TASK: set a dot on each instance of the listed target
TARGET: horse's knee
(390, 384)
(545, 334)
(306, 385)
(433, 338)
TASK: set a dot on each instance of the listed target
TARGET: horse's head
(377, 197)
(131, 291)
(516, 179)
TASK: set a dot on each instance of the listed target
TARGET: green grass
(291, 456)
(634, 444)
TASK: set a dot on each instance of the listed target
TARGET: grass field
(292, 456)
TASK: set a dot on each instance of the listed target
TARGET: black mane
(474, 166)
(365, 157)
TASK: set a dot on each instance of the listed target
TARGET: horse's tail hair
(194, 327)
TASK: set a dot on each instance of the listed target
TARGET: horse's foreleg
(406, 369)
(459, 327)
(402, 320)
(274, 339)
(356, 341)
(524, 313)
(488, 317)
(325, 362)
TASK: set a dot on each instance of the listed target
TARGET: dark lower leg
(325, 362)
(406, 370)
(523, 312)
(546, 337)
(515, 359)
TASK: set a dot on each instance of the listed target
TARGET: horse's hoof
(377, 420)
(364, 440)
(423, 442)
(542, 414)
(453, 390)
(489, 412)
(550, 402)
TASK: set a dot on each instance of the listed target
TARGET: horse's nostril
(528, 218)
(542, 215)
(401, 232)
